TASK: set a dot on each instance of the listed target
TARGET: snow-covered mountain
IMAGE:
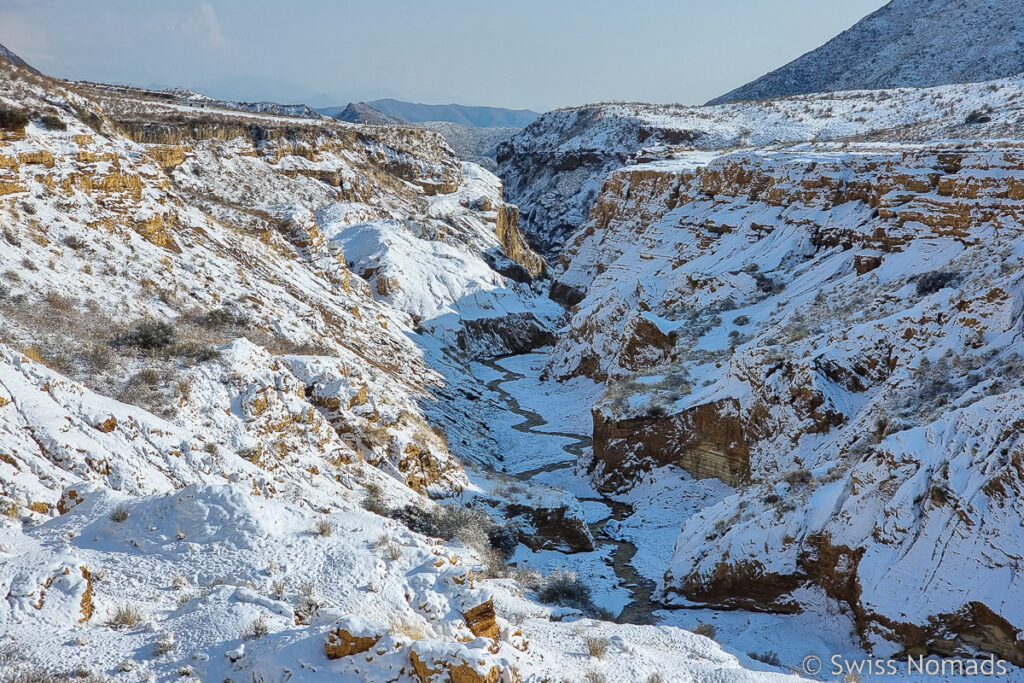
(480, 117)
(906, 43)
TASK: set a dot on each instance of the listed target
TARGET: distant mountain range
(361, 112)
(916, 43)
(473, 143)
(481, 117)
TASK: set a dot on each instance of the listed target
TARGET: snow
(196, 512)
(905, 43)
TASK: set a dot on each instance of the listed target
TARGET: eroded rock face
(352, 637)
(707, 440)
(513, 243)
(481, 620)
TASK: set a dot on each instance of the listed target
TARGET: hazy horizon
(531, 56)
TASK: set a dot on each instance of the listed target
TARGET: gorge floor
(542, 426)
(640, 608)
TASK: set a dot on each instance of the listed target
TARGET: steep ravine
(640, 609)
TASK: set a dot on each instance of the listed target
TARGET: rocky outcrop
(512, 333)
(513, 244)
(352, 636)
(707, 440)
(482, 622)
(437, 662)
(551, 527)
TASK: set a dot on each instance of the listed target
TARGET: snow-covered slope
(555, 167)
(235, 352)
(834, 331)
(905, 43)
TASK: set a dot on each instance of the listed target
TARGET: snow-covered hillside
(906, 43)
(237, 356)
(830, 327)
(556, 166)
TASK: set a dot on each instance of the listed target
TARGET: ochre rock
(481, 620)
(706, 440)
(340, 643)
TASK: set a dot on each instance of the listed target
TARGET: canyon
(676, 393)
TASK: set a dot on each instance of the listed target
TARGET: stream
(640, 609)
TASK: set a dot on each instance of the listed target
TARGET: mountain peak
(916, 43)
(13, 58)
(361, 112)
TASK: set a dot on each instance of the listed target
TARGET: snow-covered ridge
(555, 167)
(905, 43)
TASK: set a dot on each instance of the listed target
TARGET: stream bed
(641, 607)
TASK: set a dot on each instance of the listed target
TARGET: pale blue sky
(536, 54)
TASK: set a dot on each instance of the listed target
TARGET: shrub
(257, 628)
(595, 677)
(119, 514)
(59, 302)
(164, 643)
(223, 317)
(73, 242)
(706, 630)
(23, 673)
(767, 284)
(150, 334)
(53, 122)
(656, 677)
(933, 281)
(179, 582)
(977, 116)
(504, 538)
(126, 616)
(89, 118)
(323, 527)
(770, 657)
(13, 119)
(566, 589)
(374, 502)
(597, 647)
(278, 589)
(797, 477)
(741, 320)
